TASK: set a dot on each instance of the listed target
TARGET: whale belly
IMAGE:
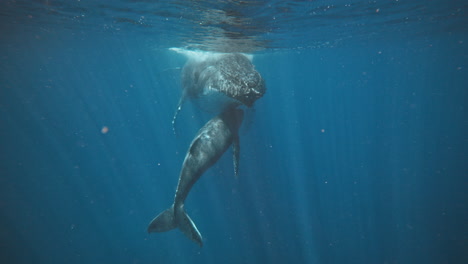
(214, 101)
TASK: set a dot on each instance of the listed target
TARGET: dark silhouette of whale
(217, 81)
(210, 143)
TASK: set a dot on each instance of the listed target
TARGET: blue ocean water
(357, 153)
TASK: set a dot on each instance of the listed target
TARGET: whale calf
(217, 81)
(210, 143)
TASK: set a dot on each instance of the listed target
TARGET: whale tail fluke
(165, 221)
(176, 217)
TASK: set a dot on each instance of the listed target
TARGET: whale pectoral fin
(236, 154)
(179, 107)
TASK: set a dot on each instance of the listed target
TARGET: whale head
(216, 81)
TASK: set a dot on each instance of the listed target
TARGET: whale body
(210, 143)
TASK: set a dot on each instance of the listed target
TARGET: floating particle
(104, 130)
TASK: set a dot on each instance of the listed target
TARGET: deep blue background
(356, 154)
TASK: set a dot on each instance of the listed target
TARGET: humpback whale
(217, 81)
(210, 143)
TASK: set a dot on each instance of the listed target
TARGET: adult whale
(210, 143)
(217, 81)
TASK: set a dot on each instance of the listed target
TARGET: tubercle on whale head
(255, 93)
